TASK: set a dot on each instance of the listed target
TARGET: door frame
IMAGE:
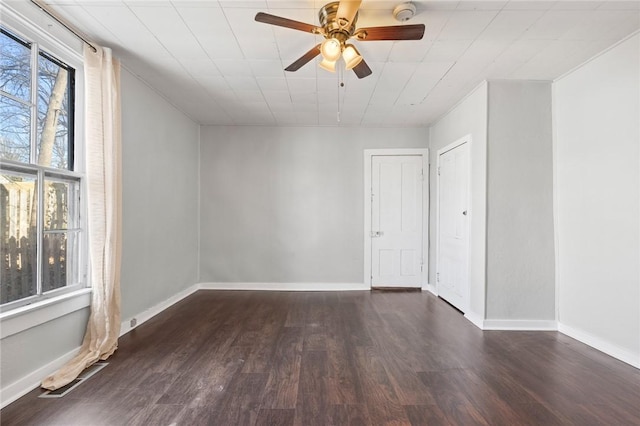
(465, 139)
(368, 156)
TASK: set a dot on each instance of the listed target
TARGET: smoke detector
(404, 12)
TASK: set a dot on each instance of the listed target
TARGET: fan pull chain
(340, 86)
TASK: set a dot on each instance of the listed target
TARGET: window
(40, 193)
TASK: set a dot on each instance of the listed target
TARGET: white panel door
(396, 221)
(452, 270)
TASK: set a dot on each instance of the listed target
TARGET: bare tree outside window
(15, 111)
(53, 114)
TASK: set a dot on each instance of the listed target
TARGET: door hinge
(438, 276)
(438, 171)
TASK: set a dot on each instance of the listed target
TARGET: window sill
(26, 317)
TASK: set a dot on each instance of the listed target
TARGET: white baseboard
(515, 325)
(26, 384)
(285, 286)
(521, 325)
(600, 344)
(146, 315)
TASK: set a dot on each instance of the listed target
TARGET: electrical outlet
(133, 322)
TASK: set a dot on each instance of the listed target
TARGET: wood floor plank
(315, 338)
(241, 402)
(358, 415)
(337, 415)
(156, 414)
(378, 394)
(275, 416)
(341, 383)
(426, 415)
(348, 358)
(493, 409)
(312, 394)
(281, 390)
(451, 397)
(313, 372)
(297, 311)
(537, 414)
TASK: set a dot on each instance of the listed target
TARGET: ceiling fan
(338, 24)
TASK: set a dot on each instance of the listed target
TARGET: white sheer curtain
(103, 166)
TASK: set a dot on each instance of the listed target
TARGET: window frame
(41, 174)
(72, 296)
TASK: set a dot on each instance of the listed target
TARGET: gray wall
(285, 204)
(520, 244)
(597, 162)
(469, 117)
(27, 351)
(160, 198)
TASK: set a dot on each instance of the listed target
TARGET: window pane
(60, 260)
(60, 204)
(14, 130)
(60, 246)
(15, 66)
(53, 114)
(18, 245)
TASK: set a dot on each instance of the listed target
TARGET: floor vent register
(60, 392)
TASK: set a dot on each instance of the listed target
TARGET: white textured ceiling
(219, 66)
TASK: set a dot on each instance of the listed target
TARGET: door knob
(376, 234)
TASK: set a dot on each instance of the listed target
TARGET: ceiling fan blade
(362, 70)
(287, 23)
(347, 10)
(399, 32)
(315, 51)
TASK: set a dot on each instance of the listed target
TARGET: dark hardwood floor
(351, 358)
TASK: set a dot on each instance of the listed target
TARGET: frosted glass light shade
(351, 56)
(331, 49)
(328, 65)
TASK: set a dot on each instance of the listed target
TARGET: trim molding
(23, 318)
(31, 381)
(285, 286)
(598, 343)
(146, 315)
(520, 325)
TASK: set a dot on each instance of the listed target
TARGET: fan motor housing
(329, 21)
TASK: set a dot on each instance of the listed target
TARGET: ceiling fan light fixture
(351, 56)
(331, 49)
(328, 65)
(338, 25)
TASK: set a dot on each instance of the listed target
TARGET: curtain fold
(104, 193)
